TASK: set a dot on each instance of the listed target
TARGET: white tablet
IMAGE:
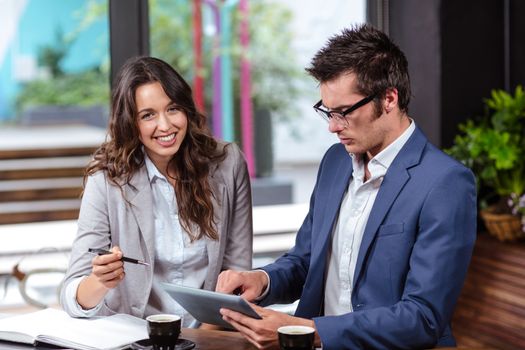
(204, 305)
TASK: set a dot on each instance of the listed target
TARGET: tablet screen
(204, 305)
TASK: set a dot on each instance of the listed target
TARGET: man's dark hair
(368, 53)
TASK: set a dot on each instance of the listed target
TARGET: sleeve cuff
(74, 307)
(267, 290)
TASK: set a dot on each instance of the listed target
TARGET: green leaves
(508, 110)
(85, 89)
(494, 146)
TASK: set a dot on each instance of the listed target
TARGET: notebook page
(24, 328)
(112, 332)
(57, 327)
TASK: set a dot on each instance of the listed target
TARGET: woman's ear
(391, 100)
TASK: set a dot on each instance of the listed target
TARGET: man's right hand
(249, 284)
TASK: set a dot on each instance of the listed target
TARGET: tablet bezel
(204, 305)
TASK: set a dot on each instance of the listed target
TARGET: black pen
(126, 259)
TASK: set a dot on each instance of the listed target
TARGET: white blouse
(177, 259)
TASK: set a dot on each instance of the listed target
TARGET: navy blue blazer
(413, 257)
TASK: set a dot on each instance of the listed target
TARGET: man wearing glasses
(381, 257)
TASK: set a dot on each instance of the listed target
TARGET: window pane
(283, 37)
(54, 54)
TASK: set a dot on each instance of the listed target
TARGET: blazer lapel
(312, 297)
(220, 208)
(333, 203)
(139, 195)
(393, 182)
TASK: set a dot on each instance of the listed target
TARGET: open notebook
(56, 327)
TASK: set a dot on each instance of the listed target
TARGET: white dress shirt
(350, 227)
(177, 259)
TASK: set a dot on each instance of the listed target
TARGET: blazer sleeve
(93, 231)
(239, 244)
(288, 273)
(437, 268)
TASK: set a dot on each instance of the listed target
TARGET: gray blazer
(106, 219)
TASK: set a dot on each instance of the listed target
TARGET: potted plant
(60, 96)
(494, 148)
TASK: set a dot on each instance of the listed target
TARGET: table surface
(204, 340)
(215, 340)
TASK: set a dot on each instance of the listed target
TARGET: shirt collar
(153, 172)
(379, 164)
(387, 156)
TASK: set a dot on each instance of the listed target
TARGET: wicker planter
(504, 227)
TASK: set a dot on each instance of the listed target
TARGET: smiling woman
(162, 124)
(162, 190)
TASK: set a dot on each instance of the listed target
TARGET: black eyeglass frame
(341, 116)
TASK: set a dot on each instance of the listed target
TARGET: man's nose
(334, 125)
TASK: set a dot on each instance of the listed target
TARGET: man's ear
(391, 100)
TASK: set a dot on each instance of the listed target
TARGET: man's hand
(248, 284)
(263, 333)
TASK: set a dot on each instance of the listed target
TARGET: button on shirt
(350, 227)
(177, 259)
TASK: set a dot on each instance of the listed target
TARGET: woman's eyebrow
(145, 110)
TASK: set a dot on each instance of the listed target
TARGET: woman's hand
(108, 269)
(107, 272)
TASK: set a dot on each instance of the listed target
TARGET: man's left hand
(262, 333)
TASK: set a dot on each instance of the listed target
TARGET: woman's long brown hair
(121, 156)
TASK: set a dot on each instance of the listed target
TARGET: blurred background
(57, 62)
(245, 60)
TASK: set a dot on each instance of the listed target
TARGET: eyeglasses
(341, 116)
